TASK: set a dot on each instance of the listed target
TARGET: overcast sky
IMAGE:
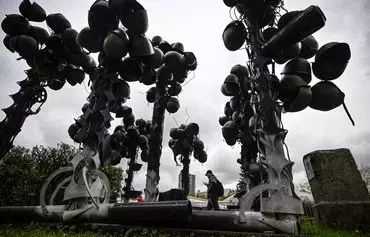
(199, 24)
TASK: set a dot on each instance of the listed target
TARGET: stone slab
(333, 176)
(352, 215)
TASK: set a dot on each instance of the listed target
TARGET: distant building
(191, 184)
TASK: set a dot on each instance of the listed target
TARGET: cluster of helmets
(171, 70)
(123, 143)
(145, 128)
(184, 140)
(110, 96)
(56, 57)
(259, 15)
(126, 50)
(113, 147)
(235, 86)
(105, 36)
(330, 62)
(137, 137)
(83, 130)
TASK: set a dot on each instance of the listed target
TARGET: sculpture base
(344, 214)
(161, 215)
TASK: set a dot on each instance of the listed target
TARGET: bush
(23, 172)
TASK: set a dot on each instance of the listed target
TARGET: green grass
(43, 231)
(309, 228)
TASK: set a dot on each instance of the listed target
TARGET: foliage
(43, 231)
(115, 176)
(304, 185)
(224, 197)
(204, 196)
(312, 228)
(309, 228)
(365, 173)
(23, 172)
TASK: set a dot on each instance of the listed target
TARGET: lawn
(309, 228)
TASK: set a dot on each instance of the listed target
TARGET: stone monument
(340, 195)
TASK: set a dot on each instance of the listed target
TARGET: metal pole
(130, 174)
(128, 213)
(185, 174)
(30, 93)
(274, 149)
(177, 214)
(155, 145)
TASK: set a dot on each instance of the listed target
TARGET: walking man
(215, 190)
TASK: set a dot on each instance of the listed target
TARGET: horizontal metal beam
(228, 221)
(161, 214)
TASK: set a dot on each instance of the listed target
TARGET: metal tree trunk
(155, 145)
(279, 168)
(31, 92)
(185, 174)
(130, 177)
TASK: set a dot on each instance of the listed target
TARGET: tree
(23, 172)
(115, 176)
(184, 141)
(304, 185)
(171, 72)
(365, 173)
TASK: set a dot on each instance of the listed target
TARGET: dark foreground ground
(309, 228)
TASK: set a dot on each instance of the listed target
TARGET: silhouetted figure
(214, 191)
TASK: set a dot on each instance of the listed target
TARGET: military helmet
(32, 11)
(101, 18)
(89, 40)
(232, 85)
(172, 105)
(331, 60)
(134, 18)
(234, 35)
(288, 84)
(300, 67)
(39, 34)
(140, 46)
(15, 24)
(57, 22)
(326, 96)
(131, 70)
(116, 44)
(230, 132)
(309, 47)
(173, 60)
(298, 99)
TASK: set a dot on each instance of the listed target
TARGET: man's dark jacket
(213, 187)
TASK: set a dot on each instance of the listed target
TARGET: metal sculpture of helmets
(136, 138)
(168, 69)
(184, 142)
(257, 98)
(53, 59)
(125, 55)
(122, 53)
